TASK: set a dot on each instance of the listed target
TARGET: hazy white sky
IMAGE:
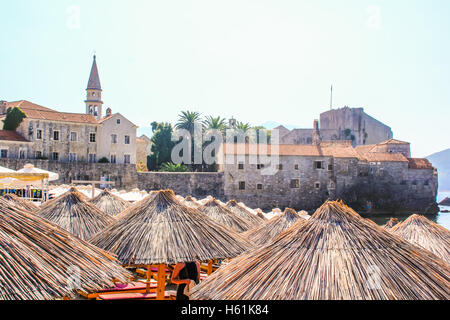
(255, 60)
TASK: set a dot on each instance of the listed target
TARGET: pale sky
(256, 60)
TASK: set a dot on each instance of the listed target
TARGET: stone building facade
(307, 175)
(346, 123)
(73, 137)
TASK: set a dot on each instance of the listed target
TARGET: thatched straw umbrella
(21, 203)
(110, 203)
(191, 202)
(334, 255)
(421, 231)
(39, 260)
(269, 230)
(163, 231)
(219, 213)
(73, 213)
(243, 213)
(391, 223)
(260, 214)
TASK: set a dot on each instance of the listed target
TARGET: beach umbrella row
(335, 255)
(73, 212)
(269, 230)
(110, 203)
(40, 261)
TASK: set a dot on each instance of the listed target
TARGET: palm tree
(244, 127)
(187, 120)
(217, 123)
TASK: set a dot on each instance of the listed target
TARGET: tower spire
(93, 100)
(94, 79)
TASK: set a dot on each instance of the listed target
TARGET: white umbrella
(29, 168)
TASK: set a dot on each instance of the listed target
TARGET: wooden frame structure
(93, 183)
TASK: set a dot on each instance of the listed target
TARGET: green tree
(217, 123)
(13, 119)
(162, 145)
(187, 121)
(171, 167)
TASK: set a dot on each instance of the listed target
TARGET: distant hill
(272, 124)
(441, 161)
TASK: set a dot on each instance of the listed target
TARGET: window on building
(280, 167)
(73, 136)
(241, 185)
(426, 183)
(72, 157)
(55, 156)
(318, 165)
(4, 153)
(118, 121)
(22, 154)
(38, 134)
(241, 166)
(295, 184)
(92, 157)
(259, 166)
(330, 167)
(114, 138)
(296, 167)
(38, 154)
(259, 186)
(56, 135)
(127, 159)
(317, 185)
(92, 137)
(113, 158)
(127, 139)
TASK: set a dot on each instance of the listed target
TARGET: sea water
(442, 218)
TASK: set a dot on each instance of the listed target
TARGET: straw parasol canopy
(39, 260)
(260, 214)
(110, 203)
(334, 255)
(191, 202)
(421, 231)
(225, 217)
(269, 230)
(72, 212)
(162, 230)
(244, 213)
(21, 203)
(391, 223)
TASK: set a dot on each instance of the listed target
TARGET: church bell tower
(93, 100)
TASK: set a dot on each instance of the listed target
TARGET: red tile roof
(419, 163)
(35, 111)
(393, 141)
(6, 135)
(292, 150)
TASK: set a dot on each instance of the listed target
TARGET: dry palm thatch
(73, 213)
(21, 203)
(421, 231)
(270, 230)
(244, 213)
(219, 213)
(162, 230)
(334, 255)
(391, 223)
(191, 202)
(40, 261)
(110, 203)
(260, 214)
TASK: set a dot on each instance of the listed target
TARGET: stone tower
(93, 100)
(316, 133)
